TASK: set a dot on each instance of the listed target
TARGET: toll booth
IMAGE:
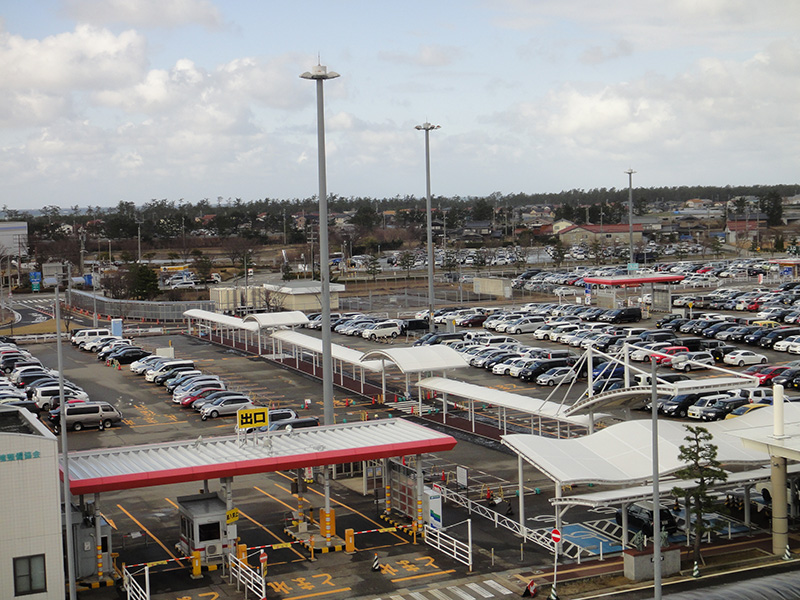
(84, 541)
(203, 526)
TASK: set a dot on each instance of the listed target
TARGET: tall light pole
(631, 262)
(427, 127)
(319, 73)
(139, 242)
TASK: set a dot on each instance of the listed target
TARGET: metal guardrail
(538, 537)
(132, 587)
(247, 576)
(460, 551)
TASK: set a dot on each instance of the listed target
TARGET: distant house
(607, 235)
(741, 231)
(478, 227)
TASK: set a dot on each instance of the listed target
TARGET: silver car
(225, 406)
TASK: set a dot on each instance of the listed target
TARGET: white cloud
(145, 13)
(430, 55)
(597, 54)
(87, 58)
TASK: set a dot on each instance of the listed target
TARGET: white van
(86, 334)
(165, 366)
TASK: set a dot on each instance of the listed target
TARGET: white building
(31, 557)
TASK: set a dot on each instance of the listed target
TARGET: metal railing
(131, 586)
(538, 537)
(460, 551)
(133, 309)
(247, 576)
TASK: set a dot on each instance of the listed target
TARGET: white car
(794, 348)
(783, 345)
(690, 361)
(561, 331)
(744, 357)
(557, 375)
(520, 364)
(525, 325)
(384, 329)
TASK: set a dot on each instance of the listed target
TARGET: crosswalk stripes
(470, 591)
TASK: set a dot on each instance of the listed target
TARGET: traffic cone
(376, 566)
(696, 570)
(787, 555)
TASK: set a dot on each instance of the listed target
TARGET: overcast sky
(110, 100)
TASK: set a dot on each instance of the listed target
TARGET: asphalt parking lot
(146, 524)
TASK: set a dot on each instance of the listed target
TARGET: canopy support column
(521, 492)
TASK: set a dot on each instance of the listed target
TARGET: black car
(754, 338)
(721, 408)
(720, 352)
(675, 324)
(667, 318)
(787, 377)
(126, 356)
(742, 333)
(712, 331)
(640, 518)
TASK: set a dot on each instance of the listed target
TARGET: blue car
(608, 370)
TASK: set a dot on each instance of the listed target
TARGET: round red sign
(555, 535)
(263, 557)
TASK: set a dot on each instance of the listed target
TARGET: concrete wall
(30, 522)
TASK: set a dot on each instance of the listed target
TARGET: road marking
(147, 531)
(347, 589)
(461, 593)
(496, 586)
(421, 576)
(440, 595)
(479, 590)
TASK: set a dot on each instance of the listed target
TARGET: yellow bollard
(241, 552)
(349, 541)
(311, 544)
(196, 566)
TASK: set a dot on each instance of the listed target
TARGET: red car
(474, 321)
(768, 374)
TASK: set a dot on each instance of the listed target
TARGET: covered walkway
(538, 410)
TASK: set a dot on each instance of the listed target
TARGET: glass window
(29, 575)
(209, 531)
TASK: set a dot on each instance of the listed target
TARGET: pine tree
(702, 470)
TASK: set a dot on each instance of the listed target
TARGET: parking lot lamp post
(656, 500)
(64, 451)
(319, 73)
(94, 299)
(630, 173)
(427, 127)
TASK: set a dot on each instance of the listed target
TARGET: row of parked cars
(30, 385)
(206, 393)
(367, 326)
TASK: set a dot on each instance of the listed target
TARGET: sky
(106, 101)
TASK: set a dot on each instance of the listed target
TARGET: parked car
(556, 376)
(692, 361)
(225, 406)
(87, 414)
(641, 516)
(744, 357)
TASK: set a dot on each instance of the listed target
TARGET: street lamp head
(426, 127)
(319, 72)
